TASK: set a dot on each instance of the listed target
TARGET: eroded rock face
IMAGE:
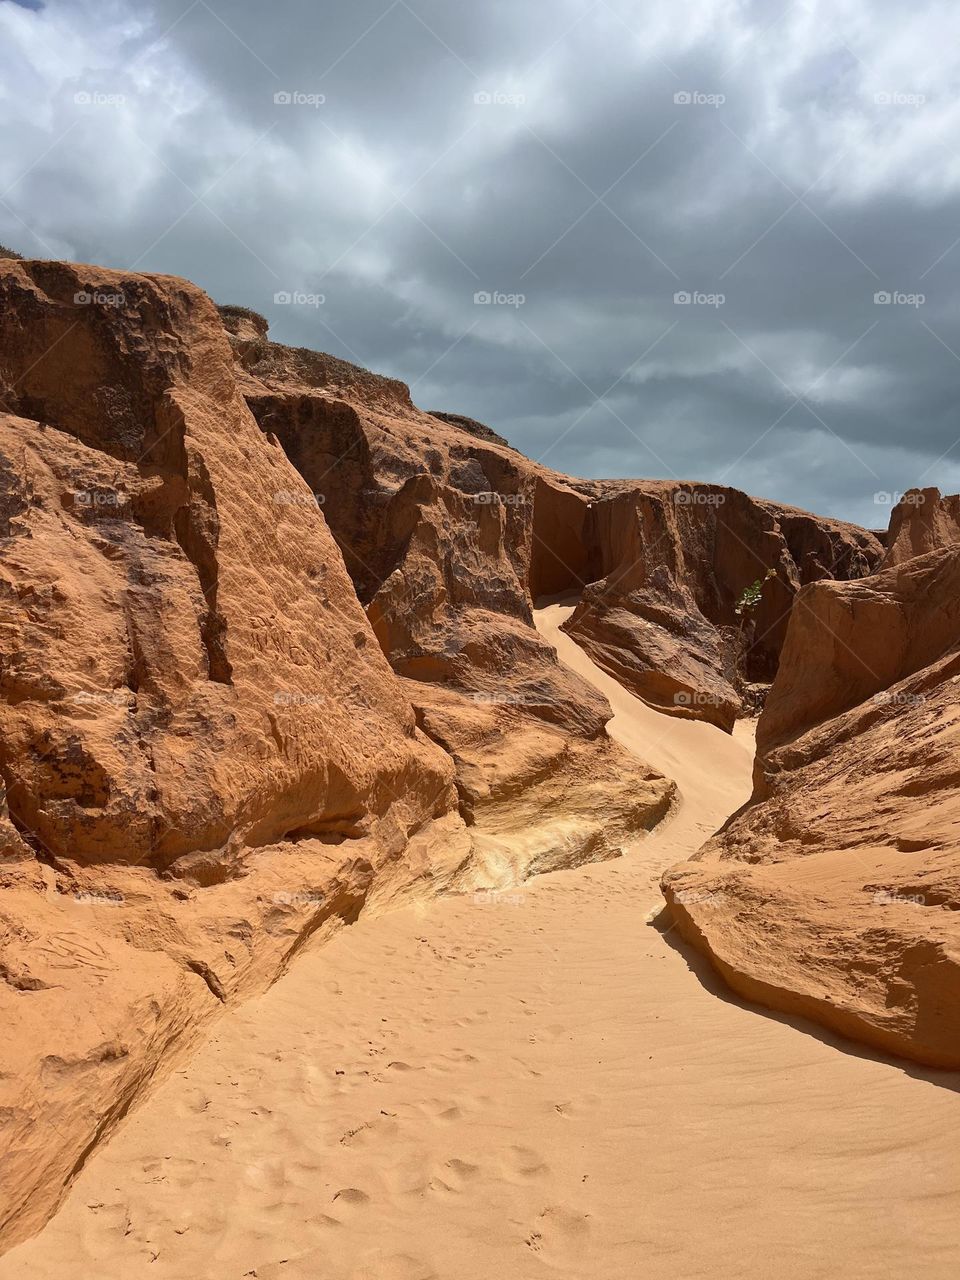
(207, 757)
(836, 893)
(668, 564)
(922, 521)
(266, 660)
(204, 751)
(449, 535)
(186, 662)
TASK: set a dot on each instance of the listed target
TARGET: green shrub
(752, 595)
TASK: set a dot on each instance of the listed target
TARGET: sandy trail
(712, 770)
(536, 1085)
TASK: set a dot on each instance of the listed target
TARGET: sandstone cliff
(266, 661)
(443, 529)
(668, 564)
(206, 755)
(836, 892)
(922, 521)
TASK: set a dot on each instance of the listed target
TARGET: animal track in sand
(559, 1233)
(568, 1222)
(346, 1139)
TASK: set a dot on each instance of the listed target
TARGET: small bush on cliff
(745, 608)
(9, 253)
(752, 596)
(242, 313)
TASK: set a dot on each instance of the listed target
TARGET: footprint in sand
(268, 1175)
(520, 1164)
(559, 1231)
(454, 1176)
(351, 1196)
(397, 1266)
(442, 1109)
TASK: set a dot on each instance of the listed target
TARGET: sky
(706, 239)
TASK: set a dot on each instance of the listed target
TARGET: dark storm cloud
(594, 159)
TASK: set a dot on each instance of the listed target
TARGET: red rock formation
(442, 528)
(922, 521)
(448, 533)
(836, 892)
(191, 696)
(668, 564)
(186, 660)
(206, 755)
(266, 659)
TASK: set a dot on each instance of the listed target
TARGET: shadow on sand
(711, 981)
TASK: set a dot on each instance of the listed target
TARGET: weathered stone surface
(836, 892)
(667, 566)
(207, 757)
(922, 521)
(267, 660)
(205, 753)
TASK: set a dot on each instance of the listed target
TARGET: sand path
(515, 1089)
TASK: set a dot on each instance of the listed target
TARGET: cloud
(791, 171)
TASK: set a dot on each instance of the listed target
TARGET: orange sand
(536, 1083)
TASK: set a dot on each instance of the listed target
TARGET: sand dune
(536, 1083)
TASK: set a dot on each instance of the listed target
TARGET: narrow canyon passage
(538, 1083)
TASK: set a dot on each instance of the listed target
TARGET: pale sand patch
(500, 1089)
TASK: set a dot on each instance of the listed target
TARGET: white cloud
(702, 195)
